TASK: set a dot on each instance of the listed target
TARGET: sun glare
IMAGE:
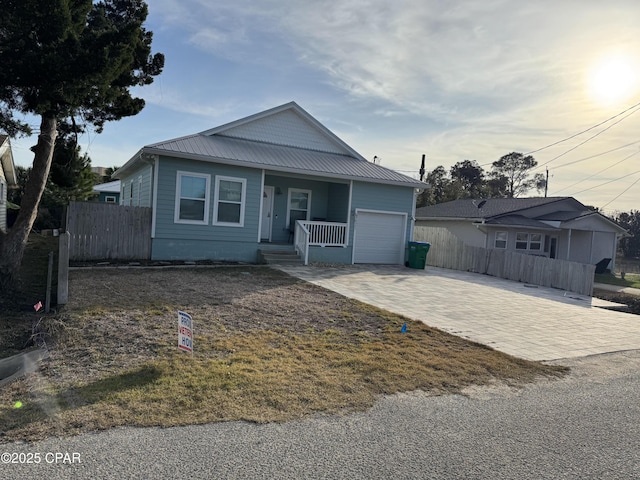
(614, 79)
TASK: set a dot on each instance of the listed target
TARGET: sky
(396, 79)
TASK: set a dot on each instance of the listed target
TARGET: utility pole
(422, 168)
(546, 183)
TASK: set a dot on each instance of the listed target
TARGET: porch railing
(326, 234)
(320, 234)
(301, 241)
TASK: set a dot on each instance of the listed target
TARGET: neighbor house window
(229, 201)
(529, 241)
(192, 198)
(535, 241)
(110, 198)
(501, 240)
(299, 205)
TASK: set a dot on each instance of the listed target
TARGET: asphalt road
(584, 426)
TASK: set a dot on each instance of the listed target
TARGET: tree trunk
(12, 244)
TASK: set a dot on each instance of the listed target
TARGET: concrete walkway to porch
(530, 322)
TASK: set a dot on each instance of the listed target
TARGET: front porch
(307, 214)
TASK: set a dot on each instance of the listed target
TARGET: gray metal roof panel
(278, 157)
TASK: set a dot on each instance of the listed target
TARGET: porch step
(280, 257)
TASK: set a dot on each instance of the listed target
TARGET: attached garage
(379, 237)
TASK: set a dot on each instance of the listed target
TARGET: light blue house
(7, 178)
(108, 192)
(276, 180)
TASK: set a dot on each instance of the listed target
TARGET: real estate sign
(185, 332)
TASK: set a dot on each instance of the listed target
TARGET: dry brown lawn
(268, 347)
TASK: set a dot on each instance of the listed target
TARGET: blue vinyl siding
(330, 254)
(177, 240)
(142, 180)
(329, 201)
(337, 209)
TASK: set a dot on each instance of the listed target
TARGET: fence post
(63, 268)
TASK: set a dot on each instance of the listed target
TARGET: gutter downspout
(569, 246)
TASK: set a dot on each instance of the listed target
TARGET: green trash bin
(418, 254)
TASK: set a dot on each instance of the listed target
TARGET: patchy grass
(629, 280)
(268, 347)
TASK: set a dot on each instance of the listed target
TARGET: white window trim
(139, 191)
(529, 249)
(3, 192)
(301, 190)
(110, 199)
(495, 240)
(207, 197)
(216, 200)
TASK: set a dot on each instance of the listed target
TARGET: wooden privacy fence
(448, 251)
(103, 231)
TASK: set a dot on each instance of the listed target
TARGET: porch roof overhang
(275, 158)
(517, 221)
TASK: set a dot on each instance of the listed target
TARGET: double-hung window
(529, 241)
(229, 203)
(501, 240)
(299, 205)
(192, 198)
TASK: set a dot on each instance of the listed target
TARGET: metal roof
(234, 151)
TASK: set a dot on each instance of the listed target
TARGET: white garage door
(379, 238)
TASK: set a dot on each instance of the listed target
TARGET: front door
(267, 214)
(554, 247)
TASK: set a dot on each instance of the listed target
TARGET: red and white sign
(185, 332)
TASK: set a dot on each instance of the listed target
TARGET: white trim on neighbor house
(3, 192)
(138, 193)
(298, 190)
(179, 197)
(110, 198)
(504, 237)
(529, 242)
(217, 201)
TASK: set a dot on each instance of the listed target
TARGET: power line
(587, 140)
(605, 183)
(583, 131)
(623, 192)
(598, 173)
(596, 155)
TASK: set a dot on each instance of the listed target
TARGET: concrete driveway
(531, 322)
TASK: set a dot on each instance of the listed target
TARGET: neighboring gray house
(7, 178)
(273, 179)
(108, 192)
(557, 227)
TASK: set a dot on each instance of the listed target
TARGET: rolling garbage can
(418, 254)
